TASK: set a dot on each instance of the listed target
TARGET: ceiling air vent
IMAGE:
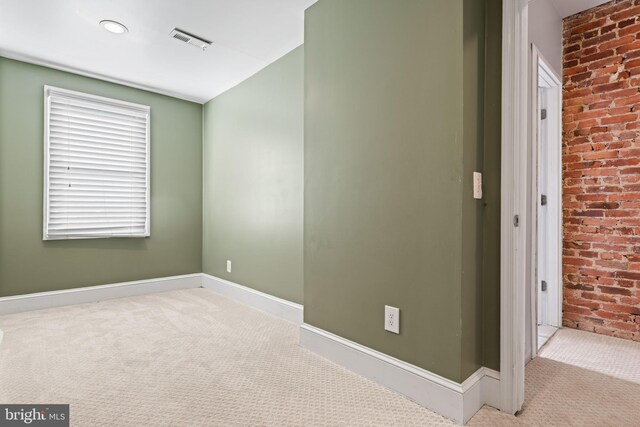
(196, 41)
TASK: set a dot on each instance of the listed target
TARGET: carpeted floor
(194, 358)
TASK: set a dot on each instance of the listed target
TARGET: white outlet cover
(228, 266)
(392, 319)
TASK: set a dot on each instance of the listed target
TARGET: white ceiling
(571, 7)
(247, 35)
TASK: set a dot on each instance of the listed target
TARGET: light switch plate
(477, 185)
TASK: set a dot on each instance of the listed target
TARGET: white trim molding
(279, 307)
(42, 300)
(456, 401)
(514, 215)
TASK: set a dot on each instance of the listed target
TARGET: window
(96, 166)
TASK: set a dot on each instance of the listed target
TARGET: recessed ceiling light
(113, 26)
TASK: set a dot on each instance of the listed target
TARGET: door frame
(513, 211)
(554, 192)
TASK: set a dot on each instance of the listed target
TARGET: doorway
(546, 202)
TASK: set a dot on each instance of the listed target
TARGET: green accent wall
(27, 263)
(491, 186)
(253, 180)
(472, 209)
(394, 128)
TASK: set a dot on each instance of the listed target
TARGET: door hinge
(543, 199)
(543, 114)
(544, 286)
(516, 220)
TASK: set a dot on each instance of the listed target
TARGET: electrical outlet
(228, 266)
(392, 319)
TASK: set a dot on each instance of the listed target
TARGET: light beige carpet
(194, 358)
(185, 358)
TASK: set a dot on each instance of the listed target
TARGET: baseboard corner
(275, 306)
(456, 401)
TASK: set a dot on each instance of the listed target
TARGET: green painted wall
(472, 209)
(384, 175)
(394, 129)
(491, 186)
(29, 264)
(253, 180)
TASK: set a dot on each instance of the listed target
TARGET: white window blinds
(96, 167)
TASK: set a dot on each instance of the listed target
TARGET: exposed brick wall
(601, 169)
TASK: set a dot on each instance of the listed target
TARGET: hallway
(578, 379)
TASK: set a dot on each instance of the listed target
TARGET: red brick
(617, 42)
(625, 48)
(570, 316)
(633, 275)
(601, 169)
(599, 297)
(631, 29)
(620, 93)
(598, 155)
(597, 105)
(611, 264)
(626, 23)
(598, 55)
(627, 13)
(612, 316)
(620, 308)
(571, 48)
(591, 114)
(620, 110)
(576, 309)
(600, 41)
(619, 119)
(585, 27)
(604, 205)
(603, 331)
(615, 60)
(630, 300)
(609, 87)
(571, 69)
(593, 305)
(587, 124)
(577, 261)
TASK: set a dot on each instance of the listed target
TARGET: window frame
(116, 103)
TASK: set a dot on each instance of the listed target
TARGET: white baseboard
(42, 300)
(279, 307)
(37, 301)
(458, 402)
(481, 388)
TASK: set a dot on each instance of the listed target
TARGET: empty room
(319, 212)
